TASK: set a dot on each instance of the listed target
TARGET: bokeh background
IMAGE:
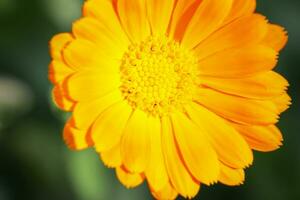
(34, 162)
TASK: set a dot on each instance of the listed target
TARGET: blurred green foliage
(35, 163)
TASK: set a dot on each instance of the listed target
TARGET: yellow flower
(174, 92)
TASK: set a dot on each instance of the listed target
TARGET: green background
(34, 162)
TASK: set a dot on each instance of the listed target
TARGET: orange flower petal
(58, 71)
(276, 37)
(109, 126)
(86, 112)
(135, 143)
(245, 31)
(75, 56)
(240, 8)
(180, 178)
(282, 102)
(58, 43)
(108, 19)
(86, 85)
(254, 59)
(156, 171)
(260, 86)
(130, 180)
(208, 18)
(231, 148)
(94, 31)
(166, 193)
(182, 14)
(133, 17)
(199, 156)
(76, 139)
(261, 138)
(112, 157)
(60, 99)
(238, 109)
(159, 14)
(230, 176)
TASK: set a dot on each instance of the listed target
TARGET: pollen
(158, 75)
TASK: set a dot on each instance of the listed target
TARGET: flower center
(158, 75)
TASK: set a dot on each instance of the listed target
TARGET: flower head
(174, 92)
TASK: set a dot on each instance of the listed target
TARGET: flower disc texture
(173, 92)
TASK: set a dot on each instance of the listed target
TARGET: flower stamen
(158, 75)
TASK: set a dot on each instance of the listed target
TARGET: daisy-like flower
(174, 92)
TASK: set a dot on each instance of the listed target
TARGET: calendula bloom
(174, 92)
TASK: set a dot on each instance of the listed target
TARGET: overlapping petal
(208, 17)
(224, 139)
(195, 149)
(276, 37)
(230, 176)
(179, 176)
(135, 142)
(75, 138)
(156, 171)
(112, 157)
(130, 180)
(110, 125)
(168, 192)
(239, 109)
(133, 17)
(259, 86)
(240, 8)
(249, 29)
(254, 59)
(159, 13)
(261, 138)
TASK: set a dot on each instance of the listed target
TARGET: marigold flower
(174, 92)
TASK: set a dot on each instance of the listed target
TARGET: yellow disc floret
(158, 75)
